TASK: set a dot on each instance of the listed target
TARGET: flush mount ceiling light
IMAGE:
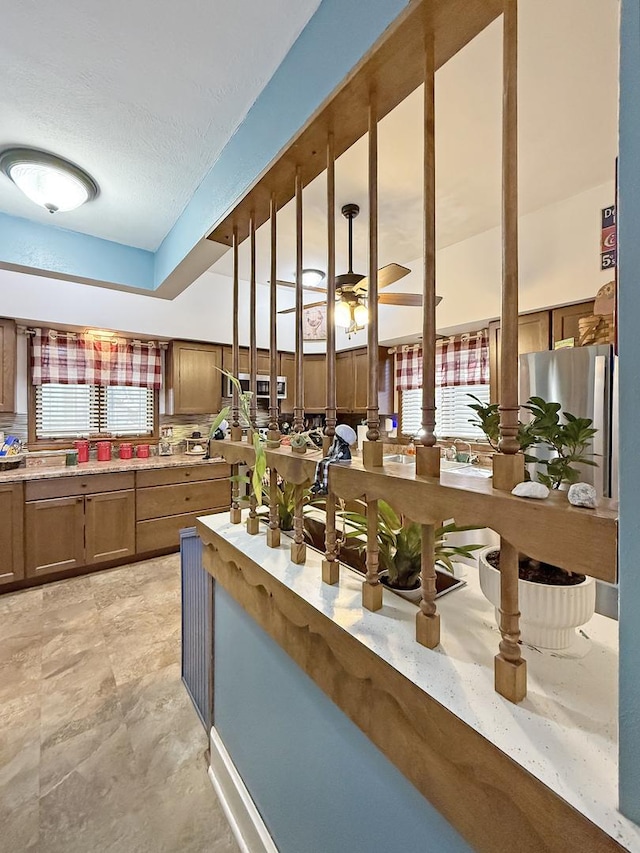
(312, 277)
(47, 180)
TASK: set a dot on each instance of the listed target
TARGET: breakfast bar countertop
(18, 475)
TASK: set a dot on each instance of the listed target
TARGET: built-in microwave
(262, 386)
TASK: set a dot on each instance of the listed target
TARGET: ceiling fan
(352, 289)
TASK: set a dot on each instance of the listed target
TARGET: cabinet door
(11, 533)
(54, 535)
(534, 335)
(263, 364)
(315, 383)
(564, 321)
(109, 526)
(7, 366)
(194, 385)
(288, 370)
(361, 365)
(345, 381)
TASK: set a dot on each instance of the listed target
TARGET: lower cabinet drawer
(87, 484)
(160, 533)
(159, 501)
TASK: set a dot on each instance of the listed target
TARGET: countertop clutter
(19, 475)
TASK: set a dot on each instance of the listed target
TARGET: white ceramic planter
(549, 614)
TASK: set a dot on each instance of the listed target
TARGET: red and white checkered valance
(84, 360)
(460, 360)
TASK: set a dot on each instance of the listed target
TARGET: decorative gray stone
(536, 491)
(583, 494)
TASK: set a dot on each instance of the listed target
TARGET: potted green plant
(552, 601)
(400, 548)
(285, 499)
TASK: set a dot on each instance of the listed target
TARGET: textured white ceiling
(143, 95)
(568, 97)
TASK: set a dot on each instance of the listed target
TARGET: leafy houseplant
(553, 602)
(259, 444)
(400, 545)
(286, 502)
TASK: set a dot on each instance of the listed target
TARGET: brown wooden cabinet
(564, 321)
(315, 383)
(352, 381)
(263, 364)
(288, 370)
(361, 380)
(193, 378)
(7, 365)
(54, 535)
(534, 335)
(109, 526)
(345, 381)
(11, 533)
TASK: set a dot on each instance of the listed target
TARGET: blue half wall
(334, 40)
(319, 783)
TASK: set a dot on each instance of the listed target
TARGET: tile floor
(100, 748)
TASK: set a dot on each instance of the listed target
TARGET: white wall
(559, 264)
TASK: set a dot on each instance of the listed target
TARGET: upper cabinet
(193, 378)
(352, 381)
(288, 370)
(263, 366)
(534, 335)
(315, 383)
(7, 366)
(564, 321)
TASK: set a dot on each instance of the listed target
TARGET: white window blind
(452, 411)
(74, 411)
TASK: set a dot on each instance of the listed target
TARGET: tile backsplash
(12, 424)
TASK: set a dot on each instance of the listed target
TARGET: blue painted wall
(333, 41)
(629, 336)
(318, 782)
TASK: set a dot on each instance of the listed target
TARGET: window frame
(405, 438)
(34, 443)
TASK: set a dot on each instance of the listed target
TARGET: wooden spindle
(427, 619)
(330, 411)
(273, 531)
(236, 430)
(330, 564)
(235, 514)
(372, 447)
(508, 466)
(508, 469)
(298, 547)
(298, 402)
(510, 667)
(253, 521)
(427, 455)
(372, 588)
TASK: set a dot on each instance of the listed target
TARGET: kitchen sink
(445, 465)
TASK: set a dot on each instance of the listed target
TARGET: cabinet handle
(187, 499)
(79, 500)
(89, 498)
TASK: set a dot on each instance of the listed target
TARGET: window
(72, 411)
(452, 411)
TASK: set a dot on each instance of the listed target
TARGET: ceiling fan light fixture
(361, 314)
(47, 180)
(312, 277)
(343, 315)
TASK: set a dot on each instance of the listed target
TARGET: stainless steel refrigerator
(584, 381)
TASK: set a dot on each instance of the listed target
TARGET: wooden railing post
(273, 531)
(236, 430)
(298, 547)
(330, 564)
(330, 411)
(427, 619)
(372, 447)
(427, 455)
(253, 521)
(235, 514)
(372, 588)
(508, 466)
(298, 400)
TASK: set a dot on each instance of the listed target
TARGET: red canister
(126, 451)
(83, 450)
(104, 451)
(142, 451)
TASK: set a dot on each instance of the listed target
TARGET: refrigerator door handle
(600, 421)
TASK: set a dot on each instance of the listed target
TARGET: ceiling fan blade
(386, 276)
(282, 283)
(308, 305)
(408, 299)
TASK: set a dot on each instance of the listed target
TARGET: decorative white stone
(537, 491)
(583, 494)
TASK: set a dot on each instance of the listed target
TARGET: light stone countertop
(115, 466)
(565, 731)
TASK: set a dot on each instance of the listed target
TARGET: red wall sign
(608, 238)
